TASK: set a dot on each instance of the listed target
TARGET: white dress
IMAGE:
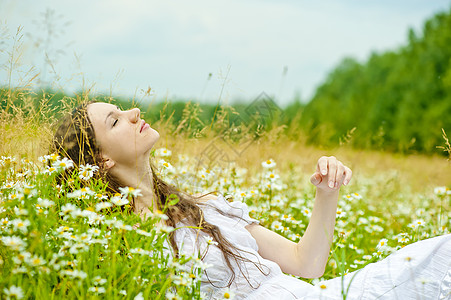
(425, 275)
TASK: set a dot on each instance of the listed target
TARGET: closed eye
(115, 122)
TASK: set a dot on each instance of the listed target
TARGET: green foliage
(398, 100)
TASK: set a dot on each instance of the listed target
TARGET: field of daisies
(71, 241)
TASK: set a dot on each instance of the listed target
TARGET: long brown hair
(75, 139)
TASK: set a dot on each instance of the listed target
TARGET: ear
(108, 162)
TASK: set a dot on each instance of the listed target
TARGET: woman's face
(123, 137)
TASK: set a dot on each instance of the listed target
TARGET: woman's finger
(322, 165)
(316, 178)
(332, 162)
(348, 176)
(340, 174)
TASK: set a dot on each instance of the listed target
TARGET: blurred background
(331, 75)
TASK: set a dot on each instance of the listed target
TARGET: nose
(134, 114)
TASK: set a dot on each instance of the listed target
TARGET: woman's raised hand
(330, 174)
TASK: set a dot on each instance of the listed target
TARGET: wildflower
(35, 261)
(340, 213)
(82, 193)
(356, 196)
(142, 232)
(94, 231)
(20, 211)
(45, 203)
(64, 163)
(166, 166)
(403, 238)
(272, 176)
(440, 191)
(8, 185)
(382, 244)
(99, 196)
(49, 170)
(6, 160)
(172, 296)
(268, 164)
(68, 208)
(129, 191)
(139, 296)
(359, 262)
(140, 251)
(103, 205)
(276, 225)
(99, 280)
(228, 294)
(13, 291)
(14, 242)
(123, 292)
(210, 241)
(75, 274)
(163, 228)
(306, 212)
(21, 225)
(120, 225)
(21, 257)
(163, 152)
(159, 214)
(417, 223)
(87, 171)
(97, 290)
(206, 173)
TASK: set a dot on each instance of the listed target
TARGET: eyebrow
(110, 113)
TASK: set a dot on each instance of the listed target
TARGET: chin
(153, 139)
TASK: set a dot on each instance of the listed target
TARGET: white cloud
(173, 45)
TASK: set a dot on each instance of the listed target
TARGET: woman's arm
(308, 257)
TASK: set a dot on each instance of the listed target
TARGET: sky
(198, 50)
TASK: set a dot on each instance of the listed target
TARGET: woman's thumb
(316, 178)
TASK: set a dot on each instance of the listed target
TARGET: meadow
(71, 240)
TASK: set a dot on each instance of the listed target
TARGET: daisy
(163, 152)
(166, 166)
(172, 296)
(49, 170)
(68, 208)
(13, 291)
(14, 242)
(268, 164)
(36, 261)
(210, 241)
(440, 191)
(87, 171)
(45, 203)
(99, 280)
(382, 246)
(129, 191)
(272, 176)
(228, 294)
(417, 223)
(97, 290)
(103, 205)
(64, 163)
(20, 224)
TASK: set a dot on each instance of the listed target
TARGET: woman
(247, 258)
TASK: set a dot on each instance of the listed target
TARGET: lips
(144, 126)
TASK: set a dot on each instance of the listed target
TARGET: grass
(391, 197)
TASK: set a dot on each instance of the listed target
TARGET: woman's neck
(139, 177)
